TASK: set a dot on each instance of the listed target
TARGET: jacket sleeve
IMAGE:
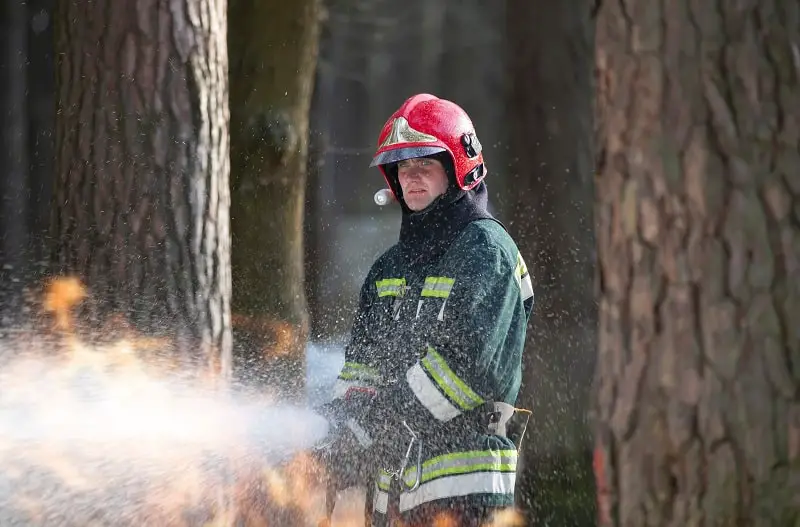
(473, 350)
(359, 380)
(357, 373)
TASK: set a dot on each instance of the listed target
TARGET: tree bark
(273, 56)
(41, 124)
(26, 135)
(142, 197)
(13, 138)
(698, 214)
(551, 195)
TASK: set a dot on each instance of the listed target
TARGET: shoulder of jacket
(387, 258)
(490, 235)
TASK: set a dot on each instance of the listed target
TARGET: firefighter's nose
(412, 174)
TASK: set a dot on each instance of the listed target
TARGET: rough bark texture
(698, 211)
(551, 115)
(273, 46)
(142, 197)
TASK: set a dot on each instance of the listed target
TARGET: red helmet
(425, 125)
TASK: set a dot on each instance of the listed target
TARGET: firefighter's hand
(384, 426)
(343, 458)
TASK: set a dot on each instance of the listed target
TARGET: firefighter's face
(422, 180)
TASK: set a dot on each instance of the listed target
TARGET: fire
(61, 296)
(108, 433)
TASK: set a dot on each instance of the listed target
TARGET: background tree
(550, 192)
(26, 136)
(141, 197)
(698, 210)
(273, 49)
(13, 134)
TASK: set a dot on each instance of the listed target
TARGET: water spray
(100, 436)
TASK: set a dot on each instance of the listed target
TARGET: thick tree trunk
(273, 48)
(551, 118)
(698, 211)
(142, 197)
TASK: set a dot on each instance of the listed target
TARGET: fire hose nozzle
(383, 197)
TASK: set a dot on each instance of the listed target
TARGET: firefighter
(432, 369)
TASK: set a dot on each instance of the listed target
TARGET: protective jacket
(438, 336)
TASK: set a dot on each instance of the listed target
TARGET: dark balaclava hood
(425, 235)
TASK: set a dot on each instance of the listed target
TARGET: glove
(390, 438)
(346, 461)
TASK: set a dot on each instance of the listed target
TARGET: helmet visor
(399, 154)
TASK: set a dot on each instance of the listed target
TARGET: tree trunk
(142, 197)
(273, 55)
(41, 123)
(698, 211)
(551, 118)
(27, 92)
(13, 138)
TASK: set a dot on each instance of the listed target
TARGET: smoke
(94, 440)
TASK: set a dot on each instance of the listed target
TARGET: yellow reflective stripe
(391, 287)
(356, 370)
(494, 483)
(431, 397)
(455, 389)
(523, 278)
(463, 463)
(384, 480)
(341, 387)
(437, 286)
(521, 269)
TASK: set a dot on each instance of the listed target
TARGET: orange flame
(61, 295)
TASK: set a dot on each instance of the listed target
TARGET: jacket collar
(426, 235)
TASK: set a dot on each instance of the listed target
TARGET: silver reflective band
(391, 287)
(361, 435)
(430, 397)
(464, 463)
(381, 501)
(461, 485)
(438, 286)
(523, 278)
(454, 388)
(357, 371)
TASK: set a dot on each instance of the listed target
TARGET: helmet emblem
(472, 147)
(403, 133)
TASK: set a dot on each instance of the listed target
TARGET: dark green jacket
(436, 341)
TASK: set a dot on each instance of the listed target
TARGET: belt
(491, 418)
(508, 421)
